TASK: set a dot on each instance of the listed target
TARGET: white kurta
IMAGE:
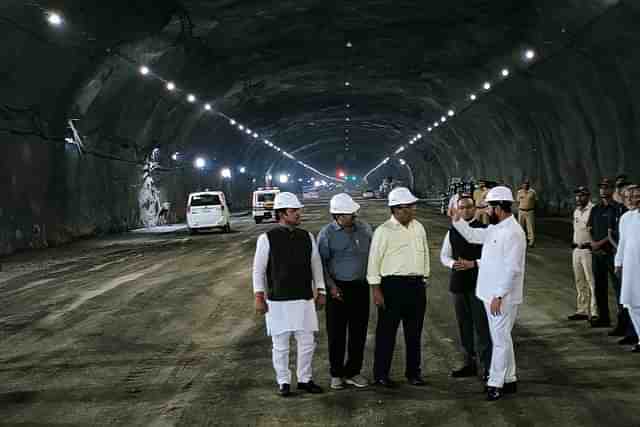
(628, 257)
(287, 316)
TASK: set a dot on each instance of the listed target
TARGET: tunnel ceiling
(281, 66)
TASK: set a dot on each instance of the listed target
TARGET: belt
(527, 210)
(404, 280)
(581, 246)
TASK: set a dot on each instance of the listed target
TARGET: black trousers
(351, 315)
(603, 269)
(405, 300)
(473, 327)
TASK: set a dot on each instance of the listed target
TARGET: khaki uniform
(478, 196)
(526, 213)
(582, 263)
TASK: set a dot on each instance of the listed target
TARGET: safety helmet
(286, 200)
(401, 196)
(343, 204)
(499, 194)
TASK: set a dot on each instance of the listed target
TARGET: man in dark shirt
(462, 258)
(603, 223)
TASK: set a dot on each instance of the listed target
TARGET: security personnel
(527, 199)
(344, 247)
(462, 258)
(586, 307)
(287, 278)
(603, 224)
(398, 271)
(500, 284)
(479, 196)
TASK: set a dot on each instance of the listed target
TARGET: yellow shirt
(479, 195)
(526, 199)
(397, 250)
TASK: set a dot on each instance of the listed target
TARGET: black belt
(404, 280)
(527, 210)
(581, 246)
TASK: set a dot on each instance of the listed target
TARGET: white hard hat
(499, 194)
(343, 204)
(286, 200)
(401, 196)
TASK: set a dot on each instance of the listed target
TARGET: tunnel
(113, 112)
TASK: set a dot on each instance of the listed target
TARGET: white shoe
(357, 381)
(337, 383)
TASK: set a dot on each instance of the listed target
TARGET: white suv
(208, 209)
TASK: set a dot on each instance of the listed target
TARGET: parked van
(206, 210)
(263, 199)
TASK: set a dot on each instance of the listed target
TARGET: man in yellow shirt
(398, 270)
(527, 199)
(478, 197)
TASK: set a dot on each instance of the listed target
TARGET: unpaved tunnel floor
(159, 329)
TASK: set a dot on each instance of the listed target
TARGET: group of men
(606, 245)
(292, 273)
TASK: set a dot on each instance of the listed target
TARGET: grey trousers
(473, 327)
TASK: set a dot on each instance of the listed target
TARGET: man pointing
(500, 283)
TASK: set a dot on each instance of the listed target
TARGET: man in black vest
(462, 258)
(287, 278)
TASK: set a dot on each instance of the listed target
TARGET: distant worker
(500, 284)
(453, 201)
(627, 263)
(479, 196)
(527, 200)
(586, 307)
(287, 280)
(621, 183)
(344, 248)
(398, 271)
(461, 257)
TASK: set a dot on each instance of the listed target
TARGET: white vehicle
(263, 203)
(206, 210)
(368, 194)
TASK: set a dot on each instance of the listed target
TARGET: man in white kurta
(500, 283)
(628, 260)
(287, 282)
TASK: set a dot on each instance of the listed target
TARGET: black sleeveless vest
(464, 281)
(289, 274)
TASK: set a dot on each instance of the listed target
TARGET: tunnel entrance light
(54, 19)
(171, 86)
(144, 70)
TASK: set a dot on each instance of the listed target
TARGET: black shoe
(628, 340)
(385, 382)
(465, 371)
(600, 324)
(509, 388)
(635, 348)
(578, 316)
(310, 387)
(417, 381)
(618, 331)
(284, 390)
(494, 393)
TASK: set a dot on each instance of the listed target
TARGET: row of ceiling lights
(56, 20)
(529, 55)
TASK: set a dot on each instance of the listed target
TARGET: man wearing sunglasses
(397, 271)
(500, 283)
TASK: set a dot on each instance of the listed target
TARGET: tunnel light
(207, 107)
(505, 72)
(486, 86)
(191, 98)
(473, 97)
(348, 105)
(226, 173)
(348, 119)
(171, 86)
(240, 127)
(269, 177)
(349, 44)
(419, 136)
(429, 128)
(200, 163)
(248, 131)
(403, 162)
(175, 156)
(529, 54)
(436, 124)
(232, 122)
(144, 70)
(54, 19)
(283, 179)
(317, 183)
(243, 169)
(255, 135)
(451, 113)
(412, 142)
(300, 179)
(443, 119)
(347, 83)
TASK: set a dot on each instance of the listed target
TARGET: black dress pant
(603, 269)
(351, 315)
(473, 327)
(405, 301)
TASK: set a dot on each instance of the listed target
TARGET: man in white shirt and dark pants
(287, 281)
(500, 283)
